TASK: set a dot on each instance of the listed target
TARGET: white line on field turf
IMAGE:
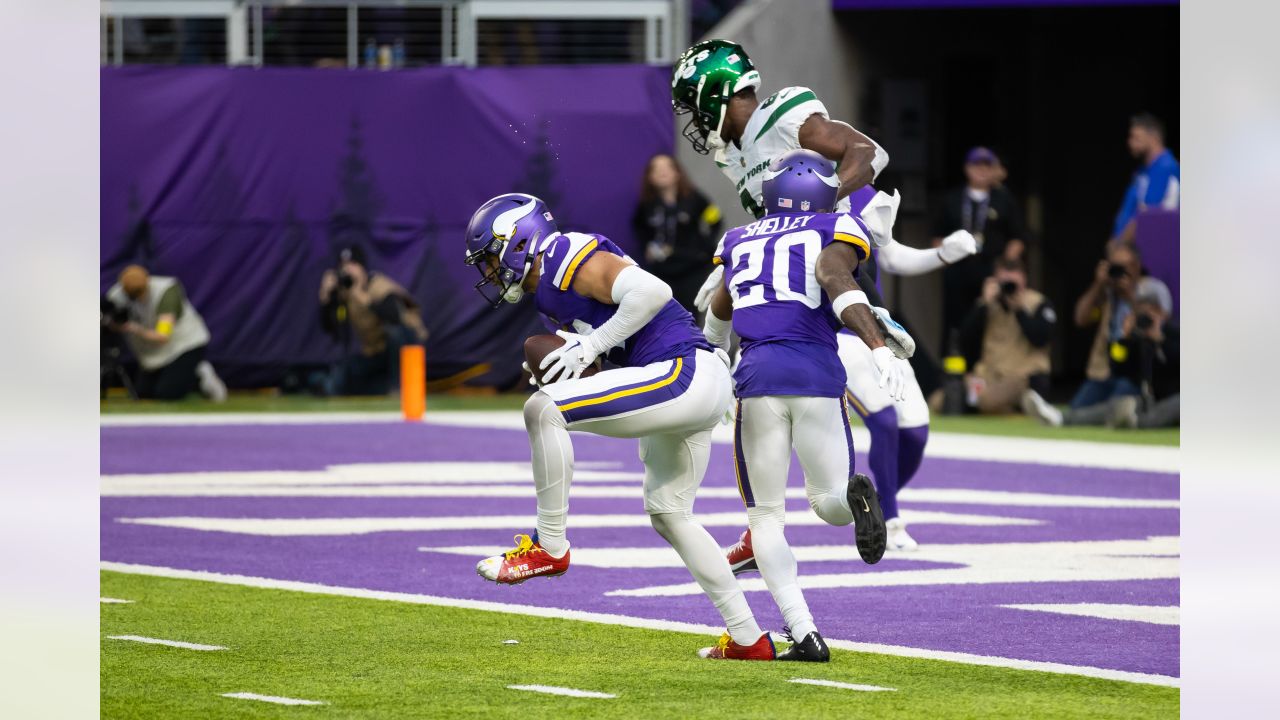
(626, 621)
(567, 692)
(842, 686)
(110, 601)
(958, 446)
(170, 643)
(271, 699)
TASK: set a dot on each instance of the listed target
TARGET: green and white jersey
(773, 129)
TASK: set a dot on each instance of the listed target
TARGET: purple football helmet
(503, 238)
(800, 181)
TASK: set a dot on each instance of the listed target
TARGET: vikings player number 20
(792, 257)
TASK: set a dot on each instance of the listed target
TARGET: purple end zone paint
(962, 618)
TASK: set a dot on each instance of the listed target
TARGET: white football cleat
(211, 386)
(898, 537)
(1039, 408)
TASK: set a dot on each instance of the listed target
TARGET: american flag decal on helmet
(784, 202)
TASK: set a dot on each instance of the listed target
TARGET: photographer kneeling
(382, 315)
(165, 334)
(1006, 338)
(1145, 358)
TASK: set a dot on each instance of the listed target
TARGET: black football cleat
(811, 649)
(868, 519)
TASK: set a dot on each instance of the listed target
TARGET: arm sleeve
(972, 329)
(898, 259)
(1037, 326)
(640, 296)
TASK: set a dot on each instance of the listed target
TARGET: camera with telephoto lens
(1144, 321)
(345, 281)
(1117, 271)
(112, 314)
(1008, 288)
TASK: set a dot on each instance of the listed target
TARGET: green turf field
(1009, 426)
(375, 659)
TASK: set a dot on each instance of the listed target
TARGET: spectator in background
(166, 335)
(990, 213)
(677, 227)
(1109, 303)
(1155, 184)
(1006, 339)
(1146, 357)
(381, 314)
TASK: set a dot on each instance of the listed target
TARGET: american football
(536, 348)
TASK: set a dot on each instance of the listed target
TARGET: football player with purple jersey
(788, 287)
(670, 388)
(715, 83)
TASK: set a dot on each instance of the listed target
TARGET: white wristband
(852, 297)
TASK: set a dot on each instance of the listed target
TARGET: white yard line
(247, 418)
(842, 686)
(270, 699)
(169, 643)
(1155, 614)
(623, 620)
(587, 484)
(112, 601)
(958, 446)
(567, 692)
(286, 527)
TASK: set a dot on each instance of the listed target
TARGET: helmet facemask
(515, 235)
(703, 83)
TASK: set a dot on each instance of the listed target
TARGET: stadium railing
(391, 34)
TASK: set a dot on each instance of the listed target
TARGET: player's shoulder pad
(848, 228)
(564, 254)
(788, 109)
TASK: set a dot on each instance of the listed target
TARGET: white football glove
(957, 246)
(896, 337)
(569, 360)
(893, 377)
(708, 290)
(533, 379)
(879, 216)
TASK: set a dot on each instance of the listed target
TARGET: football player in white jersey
(715, 82)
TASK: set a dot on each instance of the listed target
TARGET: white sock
(707, 564)
(552, 453)
(778, 567)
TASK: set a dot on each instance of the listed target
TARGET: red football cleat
(741, 557)
(727, 649)
(526, 560)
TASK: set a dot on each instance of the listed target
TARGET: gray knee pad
(666, 522)
(535, 411)
(767, 515)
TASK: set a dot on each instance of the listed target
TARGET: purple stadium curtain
(242, 182)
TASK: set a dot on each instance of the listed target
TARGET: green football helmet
(706, 76)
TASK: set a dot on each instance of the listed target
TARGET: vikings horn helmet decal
(503, 237)
(801, 180)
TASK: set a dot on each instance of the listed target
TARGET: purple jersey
(670, 334)
(783, 316)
